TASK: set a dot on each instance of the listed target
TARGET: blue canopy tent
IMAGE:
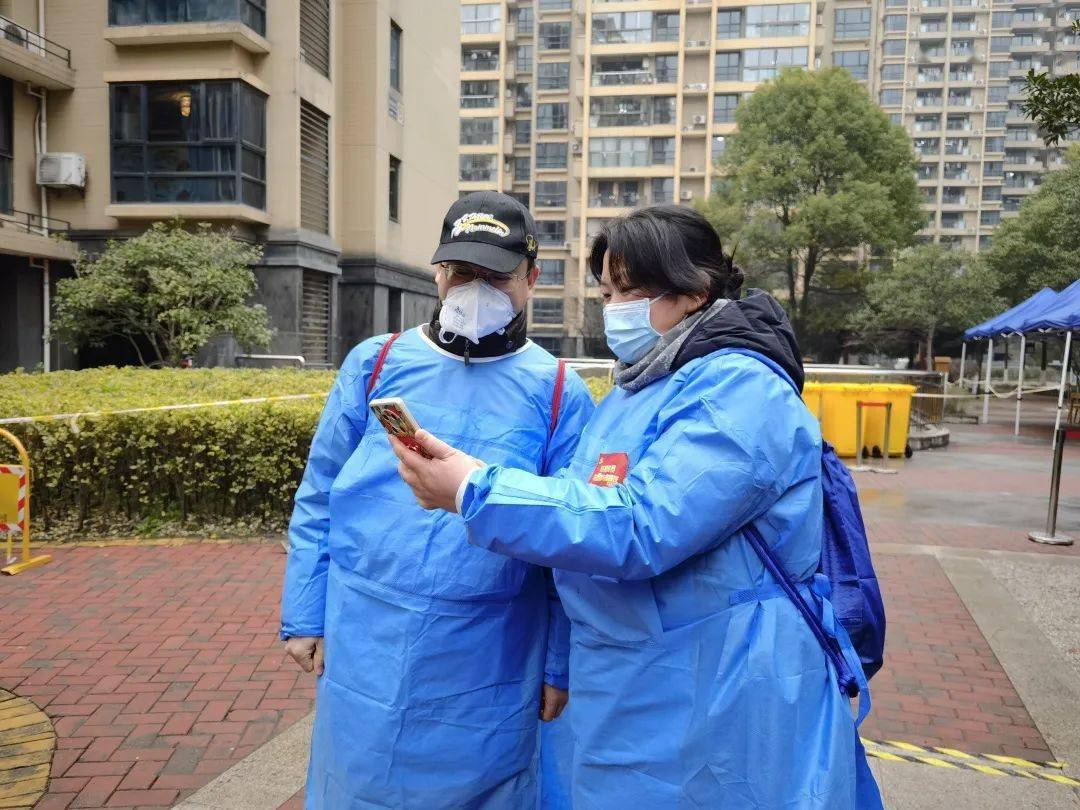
(1044, 311)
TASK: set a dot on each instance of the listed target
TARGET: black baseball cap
(489, 229)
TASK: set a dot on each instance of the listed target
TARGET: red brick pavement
(160, 666)
(951, 535)
(941, 683)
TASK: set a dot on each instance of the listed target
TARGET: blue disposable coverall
(435, 650)
(695, 682)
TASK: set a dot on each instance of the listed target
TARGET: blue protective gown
(694, 683)
(435, 650)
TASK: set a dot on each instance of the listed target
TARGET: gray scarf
(657, 363)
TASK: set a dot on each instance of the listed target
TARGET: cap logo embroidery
(471, 223)
(530, 243)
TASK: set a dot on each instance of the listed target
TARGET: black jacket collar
(508, 341)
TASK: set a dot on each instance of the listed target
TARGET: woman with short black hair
(695, 681)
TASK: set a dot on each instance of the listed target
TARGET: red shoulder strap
(556, 401)
(381, 361)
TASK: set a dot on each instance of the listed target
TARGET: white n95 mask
(474, 310)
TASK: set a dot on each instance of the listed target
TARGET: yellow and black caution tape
(941, 757)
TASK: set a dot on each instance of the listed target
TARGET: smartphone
(395, 418)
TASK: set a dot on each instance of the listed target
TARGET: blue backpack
(846, 565)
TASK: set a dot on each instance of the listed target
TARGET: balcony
(481, 102)
(26, 234)
(155, 34)
(623, 78)
(27, 57)
(1024, 46)
(1030, 24)
(1070, 44)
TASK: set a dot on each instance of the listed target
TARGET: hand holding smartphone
(398, 422)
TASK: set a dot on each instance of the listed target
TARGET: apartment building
(585, 109)
(952, 73)
(309, 126)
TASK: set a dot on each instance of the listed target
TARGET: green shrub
(215, 471)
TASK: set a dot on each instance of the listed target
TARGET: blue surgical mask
(629, 330)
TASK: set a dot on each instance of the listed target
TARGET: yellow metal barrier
(15, 509)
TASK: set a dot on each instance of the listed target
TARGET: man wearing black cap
(435, 657)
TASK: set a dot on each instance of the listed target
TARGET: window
(991, 194)
(315, 318)
(525, 19)
(7, 145)
(523, 60)
(764, 63)
(858, 64)
(1001, 19)
(960, 98)
(622, 27)
(927, 123)
(552, 116)
(188, 142)
(1000, 69)
(662, 190)
(476, 168)
(629, 111)
(667, 68)
(554, 36)
(395, 188)
(728, 66)
(1000, 44)
(894, 47)
(926, 171)
(550, 194)
(993, 168)
(522, 131)
(930, 74)
(929, 196)
(719, 146)
(479, 95)
(724, 107)
(891, 98)
(729, 24)
(963, 23)
(551, 155)
(553, 76)
(890, 73)
(395, 56)
(477, 59)
(951, 195)
(552, 345)
(990, 219)
(925, 98)
(952, 220)
(961, 122)
(957, 146)
(606, 152)
(997, 94)
(251, 13)
(963, 47)
(852, 22)
(896, 119)
(523, 96)
(547, 310)
(485, 18)
(315, 34)
(663, 151)
(788, 20)
(522, 169)
(478, 131)
(895, 22)
(995, 144)
(995, 119)
(554, 5)
(552, 272)
(927, 146)
(551, 232)
(314, 169)
(961, 73)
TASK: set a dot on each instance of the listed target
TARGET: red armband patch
(610, 470)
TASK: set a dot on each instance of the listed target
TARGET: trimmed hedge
(212, 471)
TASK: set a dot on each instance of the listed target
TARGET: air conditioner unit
(686, 195)
(699, 120)
(645, 63)
(979, 82)
(509, 92)
(575, 147)
(566, 246)
(61, 170)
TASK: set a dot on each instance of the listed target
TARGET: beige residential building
(585, 109)
(311, 126)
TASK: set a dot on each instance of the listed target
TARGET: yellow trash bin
(835, 406)
(874, 425)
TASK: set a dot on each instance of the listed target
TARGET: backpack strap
(381, 361)
(556, 400)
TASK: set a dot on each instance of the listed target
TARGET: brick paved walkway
(159, 666)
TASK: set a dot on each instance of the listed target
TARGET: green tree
(928, 288)
(815, 177)
(167, 292)
(1053, 103)
(1041, 247)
